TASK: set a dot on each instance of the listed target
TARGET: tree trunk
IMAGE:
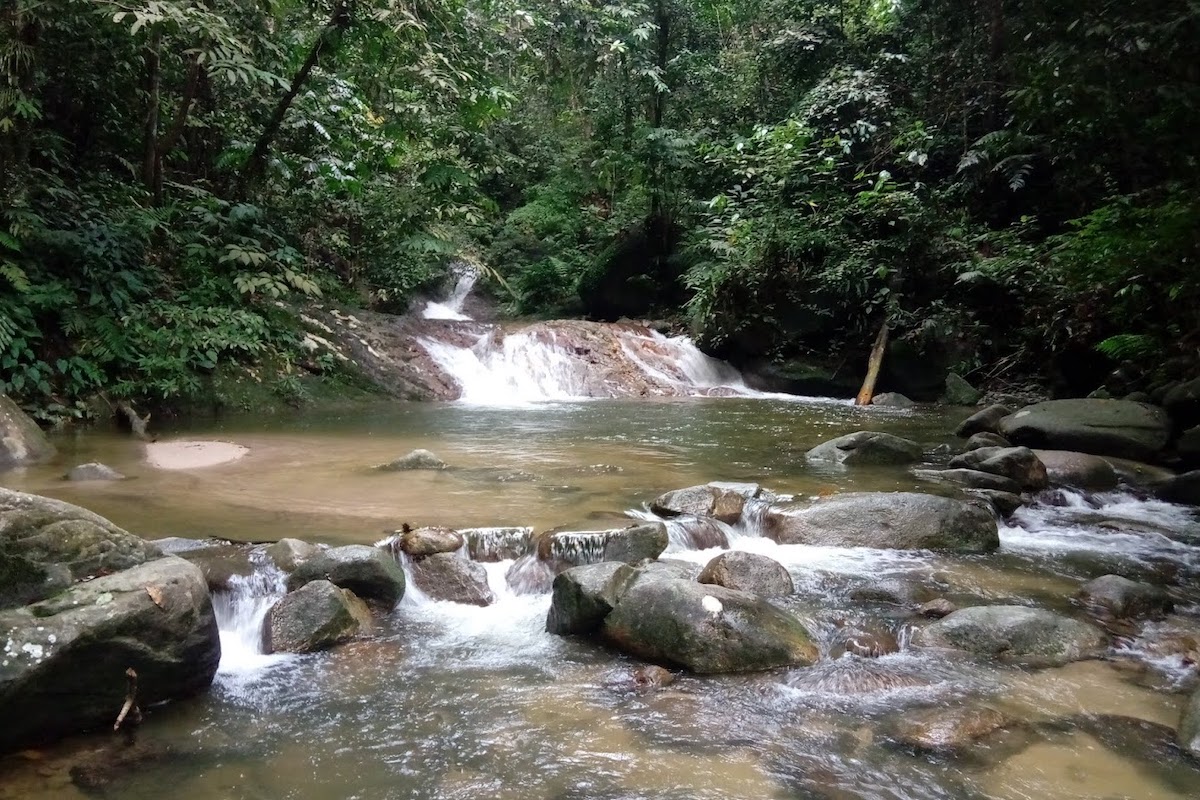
(150, 123)
(873, 364)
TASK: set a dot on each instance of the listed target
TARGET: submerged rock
(985, 421)
(1018, 464)
(705, 629)
(21, 440)
(748, 572)
(697, 533)
(447, 576)
(892, 399)
(1117, 597)
(583, 596)
(64, 661)
(287, 554)
(1078, 470)
(947, 729)
(651, 676)
(93, 471)
(417, 459)
(864, 641)
(720, 501)
(316, 616)
(888, 520)
(1017, 634)
(866, 447)
(369, 572)
(1103, 427)
(1189, 727)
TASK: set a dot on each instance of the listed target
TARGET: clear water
(452, 701)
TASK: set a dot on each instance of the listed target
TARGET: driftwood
(130, 710)
(876, 361)
(137, 423)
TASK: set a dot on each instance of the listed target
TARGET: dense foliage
(1004, 183)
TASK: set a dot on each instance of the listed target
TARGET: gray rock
(698, 533)
(1102, 427)
(892, 400)
(93, 471)
(1018, 464)
(889, 520)
(583, 596)
(865, 447)
(1189, 726)
(667, 568)
(1015, 634)
(448, 576)
(748, 572)
(970, 478)
(315, 617)
(221, 563)
(287, 554)
(720, 501)
(62, 669)
(705, 629)
(1078, 470)
(1184, 488)
(47, 544)
(428, 541)
(959, 392)
(1114, 596)
(937, 608)
(417, 459)
(985, 421)
(895, 591)
(1004, 503)
(947, 730)
(369, 572)
(497, 544)
(21, 440)
(985, 439)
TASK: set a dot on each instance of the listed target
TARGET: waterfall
(241, 612)
(451, 308)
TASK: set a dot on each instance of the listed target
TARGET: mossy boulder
(1119, 428)
(21, 440)
(372, 574)
(583, 596)
(316, 616)
(1015, 634)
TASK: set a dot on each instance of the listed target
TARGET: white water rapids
(452, 307)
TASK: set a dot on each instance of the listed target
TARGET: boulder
(64, 660)
(889, 520)
(629, 545)
(865, 447)
(93, 471)
(985, 421)
(1102, 427)
(497, 544)
(985, 439)
(635, 543)
(1003, 503)
(748, 572)
(448, 576)
(705, 629)
(47, 544)
(417, 459)
(1188, 448)
(970, 478)
(895, 591)
(892, 400)
(1182, 404)
(1113, 596)
(369, 572)
(287, 554)
(1016, 634)
(423, 542)
(1078, 470)
(721, 501)
(1018, 464)
(947, 730)
(316, 616)
(530, 575)
(1183, 488)
(221, 563)
(937, 608)
(959, 392)
(1189, 726)
(583, 596)
(21, 440)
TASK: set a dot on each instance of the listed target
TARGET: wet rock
(1017, 634)
(417, 459)
(651, 676)
(583, 596)
(630, 545)
(668, 568)
(174, 545)
(864, 641)
(891, 591)
(448, 576)
(865, 447)
(93, 471)
(888, 520)
(959, 392)
(979, 440)
(720, 501)
(1115, 596)
(1189, 727)
(697, 533)
(1184, 488)
(423, 542)
(748, 572)
(315, 617)
(892, 400)
(947, 730)
(985, 421)
(21, 440)
(1019, 464)
(46, 544)
(705, 629)
(1004, 503)
(530, 575)
(287, 554)
(62, 669)
(221, 563)
(937, 608)
(970, 478)
(497, 544)
(1102, 427)
(369, 572)
(1078, 470)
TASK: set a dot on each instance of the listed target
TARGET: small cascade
(497, 544)
(579, 547)
(240, 613)
(451, 308)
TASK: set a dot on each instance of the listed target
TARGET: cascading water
(240, 612)
(452, 307)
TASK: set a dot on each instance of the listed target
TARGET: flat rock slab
(1103, 427)
(193, 454)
